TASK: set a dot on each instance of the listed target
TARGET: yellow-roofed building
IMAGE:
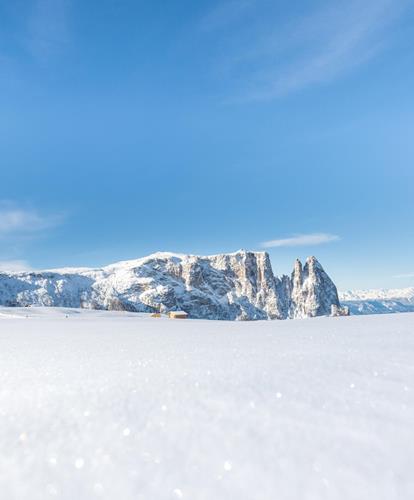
(178, 315)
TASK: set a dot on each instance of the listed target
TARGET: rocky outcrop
(313, 291)
(337, 311)
(233, 286)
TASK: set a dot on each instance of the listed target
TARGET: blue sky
(204, 127)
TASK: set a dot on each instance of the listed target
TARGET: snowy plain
(124, 406)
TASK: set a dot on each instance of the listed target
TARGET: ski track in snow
(124, 406)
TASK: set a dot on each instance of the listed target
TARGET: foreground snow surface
(123, 406)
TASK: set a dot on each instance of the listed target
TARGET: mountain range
(236, 286)
(381, 301)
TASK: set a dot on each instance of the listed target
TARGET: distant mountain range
(379, 301)
(233, 286)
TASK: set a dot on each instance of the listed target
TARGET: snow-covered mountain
(312, 292)
(380, 301)
(240, 285)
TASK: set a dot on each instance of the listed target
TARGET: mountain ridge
(379, 301)
(239, 285)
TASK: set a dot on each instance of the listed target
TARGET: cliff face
(313, 292)
(226, 286)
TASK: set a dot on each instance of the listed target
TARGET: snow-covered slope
(240, 285)
(380, 301)
(121, 406)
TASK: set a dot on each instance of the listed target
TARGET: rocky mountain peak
(238, 285)
(312, 265)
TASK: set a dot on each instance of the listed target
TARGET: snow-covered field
(123, 406)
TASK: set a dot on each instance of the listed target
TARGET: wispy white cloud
(406, 275)
(47, 30)
(19, 227)
(14, 266)
(273, 56)
(302, 240)
(20, 221)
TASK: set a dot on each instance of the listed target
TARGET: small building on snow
(178, 315)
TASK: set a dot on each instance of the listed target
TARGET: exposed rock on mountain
(225, 286)
(313, 292)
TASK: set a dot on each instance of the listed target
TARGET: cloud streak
(407, 275)
(273, 57)
(302, 240)
(18, 221)
(16, 266)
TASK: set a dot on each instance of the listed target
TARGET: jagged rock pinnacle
(224, 286)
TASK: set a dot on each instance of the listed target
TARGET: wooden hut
(177, 315)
